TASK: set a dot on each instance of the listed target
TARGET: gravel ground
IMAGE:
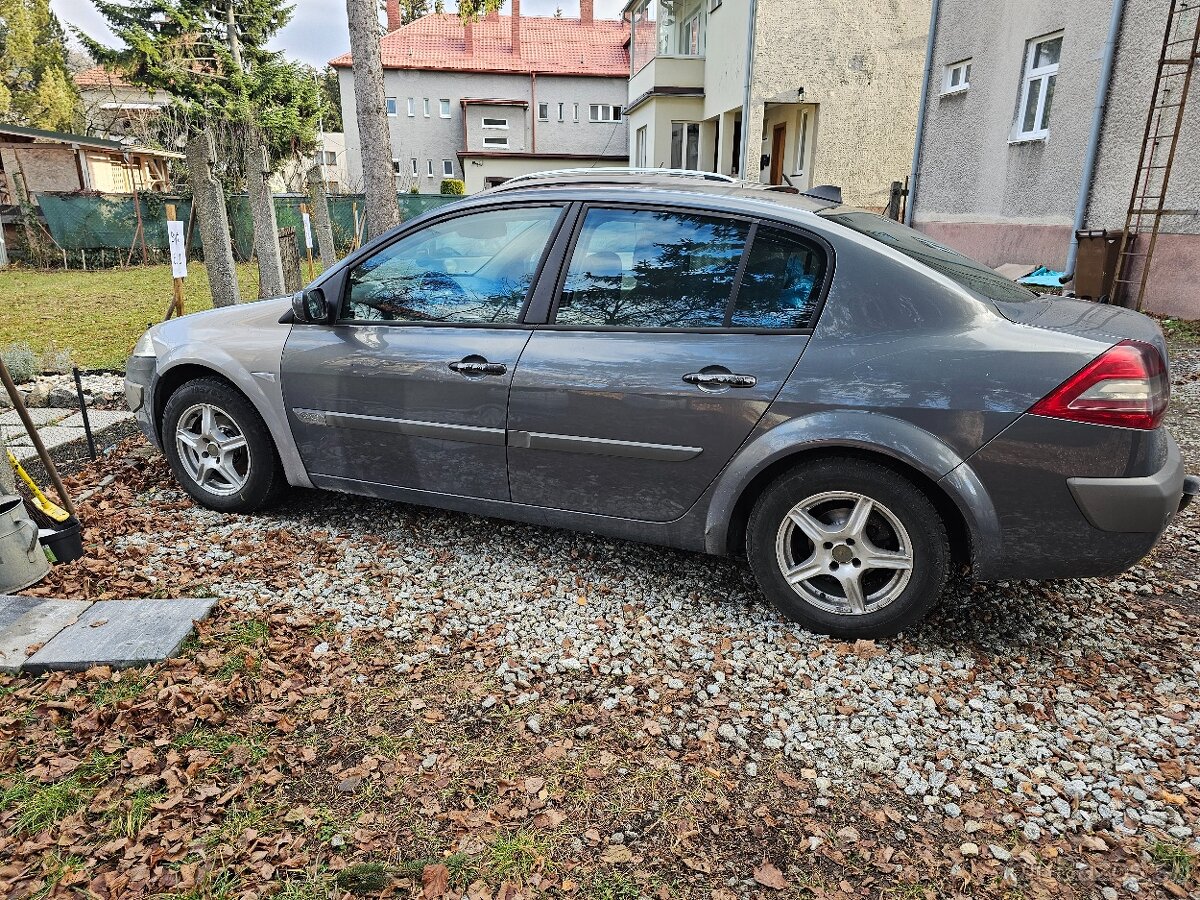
(1072, 705)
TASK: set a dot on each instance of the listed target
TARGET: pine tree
(35, 87)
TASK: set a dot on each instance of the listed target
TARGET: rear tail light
(1126, 386)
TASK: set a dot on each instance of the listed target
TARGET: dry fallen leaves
(768, 875)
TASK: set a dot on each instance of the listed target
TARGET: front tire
(219, 447)
(849, 548)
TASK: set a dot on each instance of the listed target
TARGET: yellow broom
(43, 503)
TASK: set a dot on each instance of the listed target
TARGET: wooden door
(778, 143)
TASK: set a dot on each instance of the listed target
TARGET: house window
(1037, 92)
(412, 106)
(639, 148)
(685, 145)
(396, 167)
(691, 35)
(713, 4)
(390, 103)
(543, 112)
(602, 112)
(429, 168)
(489, 122)
(957, 77)
(575, 112)
(426, 107)
(444, 108)
(330, 158)
(495, 141)
(414, 167)
(448, 167)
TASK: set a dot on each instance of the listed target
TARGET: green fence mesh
(109, 221)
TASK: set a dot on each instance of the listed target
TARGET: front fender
(884, 435)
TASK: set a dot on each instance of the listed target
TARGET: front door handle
(718, 381)
(476, 366)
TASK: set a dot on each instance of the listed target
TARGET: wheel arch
(933, 467)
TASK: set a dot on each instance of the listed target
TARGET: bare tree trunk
(208, 200)
(374, 138)
(262, 211)
(320, 215)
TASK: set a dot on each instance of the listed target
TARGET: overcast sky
(317, 32)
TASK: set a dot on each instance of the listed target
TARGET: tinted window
(965, 271)
(472, 268)
(782, 282)
(651, 269)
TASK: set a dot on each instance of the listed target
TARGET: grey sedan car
(706, 365)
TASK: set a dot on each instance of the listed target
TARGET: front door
(778, 145)
(409, 387)
(655, 366)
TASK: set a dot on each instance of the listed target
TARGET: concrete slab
(13, 606)
(100, 419)
(57, 435)
(121, 634)
(39, 625)
(41, 415)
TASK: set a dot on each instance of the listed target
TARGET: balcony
(667, 44)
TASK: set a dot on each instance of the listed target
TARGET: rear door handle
(474, 367)
(716, 381)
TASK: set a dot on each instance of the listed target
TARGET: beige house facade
(833, 89)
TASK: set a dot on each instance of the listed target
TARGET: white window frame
(575, 112)
(396, 167)
(414, 167)
(689, 28)
(604, 113)
(640, 137)
(444, 108)
(500, 141)
(412, 106)
(963, 69)
(1031, 75)
(429, 168)
(426, 106)
(503, 126)
(391, 106)
(447, 168)
(543, 112)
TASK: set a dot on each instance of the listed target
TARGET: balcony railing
(667, 28)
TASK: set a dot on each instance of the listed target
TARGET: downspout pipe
(922, 105)
(1093, 144)
(744, 150)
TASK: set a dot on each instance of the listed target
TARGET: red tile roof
(549, 46)
(98, 76)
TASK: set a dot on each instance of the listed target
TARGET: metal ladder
(1180, 50)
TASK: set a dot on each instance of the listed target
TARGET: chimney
(393, 14)
(469, 36)
(516, 28)
(585, 11)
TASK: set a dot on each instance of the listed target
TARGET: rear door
(670, 334)
(409, 387)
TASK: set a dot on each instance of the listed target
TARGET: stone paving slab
(13, 606)
(52, 436)
(100, 419)
(121, 634)
(41, 415)
(37, 625)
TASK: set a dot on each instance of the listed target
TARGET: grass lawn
(98, 315)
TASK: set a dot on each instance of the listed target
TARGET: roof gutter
(1093, 145)
(921, 107)
(744, 150)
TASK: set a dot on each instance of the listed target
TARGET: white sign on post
(307, 230)
(178, 249)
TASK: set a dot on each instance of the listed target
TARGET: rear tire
(219, 447)
(849, 548)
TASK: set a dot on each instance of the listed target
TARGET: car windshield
(963, 270)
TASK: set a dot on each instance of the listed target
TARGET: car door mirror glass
(310, 306)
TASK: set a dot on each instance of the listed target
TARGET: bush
(56, 360)
(453, 187)
(414, 189)
(21, 362)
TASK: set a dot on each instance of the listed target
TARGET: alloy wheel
(844, 552)
(213, 449)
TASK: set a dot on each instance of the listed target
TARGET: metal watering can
(22, 560)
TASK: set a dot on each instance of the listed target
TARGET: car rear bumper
(1145, 504)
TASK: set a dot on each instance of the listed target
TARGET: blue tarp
(1042, 277)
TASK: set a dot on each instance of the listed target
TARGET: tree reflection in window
(471, 269)
(651, 269)
(781, 284)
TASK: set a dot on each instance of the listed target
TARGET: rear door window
(644, 268)
(781, 285)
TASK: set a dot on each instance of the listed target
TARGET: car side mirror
(310, 306)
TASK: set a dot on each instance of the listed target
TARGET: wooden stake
(47, 463)
(176, 307)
